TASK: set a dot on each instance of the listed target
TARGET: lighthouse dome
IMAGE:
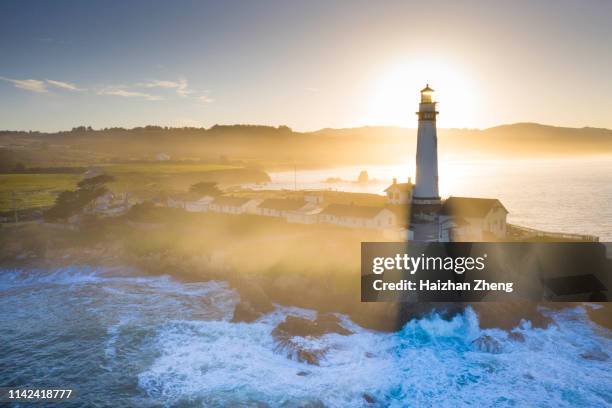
(427, 95)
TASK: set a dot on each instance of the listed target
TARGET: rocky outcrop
(299, 326)
(292, 336)
(487, 344)
(596, 354)
(369, 399)
(253, 304)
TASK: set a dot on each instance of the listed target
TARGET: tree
(205, 188)
(69, 203)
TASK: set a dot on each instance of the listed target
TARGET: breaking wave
(152, 340)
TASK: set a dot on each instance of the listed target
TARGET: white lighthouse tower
(426, 187)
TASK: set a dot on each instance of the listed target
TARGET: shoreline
(257, 297)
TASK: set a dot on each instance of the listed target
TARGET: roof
(282, 204)
(400, 186)
(469, 206)
(351, 210)
(231, 201)
(185, 196)
(427, 89)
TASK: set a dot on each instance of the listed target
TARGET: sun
(395, 94)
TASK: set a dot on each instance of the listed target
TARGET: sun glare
(395, 94)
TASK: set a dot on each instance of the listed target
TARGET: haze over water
(571, 195)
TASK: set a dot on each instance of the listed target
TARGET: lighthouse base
(427, 200)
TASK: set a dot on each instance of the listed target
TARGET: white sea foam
(65, 275)
(174, 342)
(430, 362)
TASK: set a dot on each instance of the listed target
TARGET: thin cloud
(41, 86)
(63, 85)
(160, 84)
(181, 86)
(32, 85)
(129, 94)
(205, 99)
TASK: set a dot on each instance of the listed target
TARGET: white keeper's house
(233, 205)
(358, 216)
(472, 219)
(400, 193)
(279, 207)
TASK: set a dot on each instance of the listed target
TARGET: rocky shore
(259, 295)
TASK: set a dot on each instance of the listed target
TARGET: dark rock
(298, 352)
(487, 344)
(254, 303)
(286, 332)
(368, 398)
(596, 354)
(516, 336)
(299, 326)
(303, 373)
(309, 356)
(245, 312)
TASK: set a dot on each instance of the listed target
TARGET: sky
(305, 64)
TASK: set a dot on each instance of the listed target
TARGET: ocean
(123, 340)
(572, 195)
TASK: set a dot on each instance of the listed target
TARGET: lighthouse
(426, 187)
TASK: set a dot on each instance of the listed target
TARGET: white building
(279, 207)
(400, 193)
(233, 205)
(201, 204)
(305, 215)
(108, 205)
(358, 216)
(472, 219)
(180, 200)
(426, 187)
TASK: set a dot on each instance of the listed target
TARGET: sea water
(123, 340)
(556, 194)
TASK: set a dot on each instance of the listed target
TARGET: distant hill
(265, 145)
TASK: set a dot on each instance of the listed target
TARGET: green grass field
(33, 190)
(142, 178)
(40, 190)
(163, 168)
